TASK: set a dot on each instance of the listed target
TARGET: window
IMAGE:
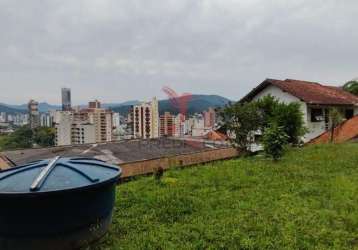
(349, 113)
(317, 115)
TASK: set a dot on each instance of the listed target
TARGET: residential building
(83, 133)
(146, 120)
(315, 101)
(198, 126)
(34, 114)
(90, 125)
(3, 117)
(209, 118)
(189, 125)
(94, 104)
(46, 120)
(167, 125)
(63, 126)
(70, 131)
(102, 120)
(179, 125)
(66, 99)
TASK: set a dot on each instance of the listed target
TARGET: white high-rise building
(70, 131)
(146, 120)
(63, 126)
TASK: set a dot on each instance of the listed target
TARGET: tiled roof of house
(309, 92)
(348, 130)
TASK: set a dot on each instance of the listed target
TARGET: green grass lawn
(309, 200)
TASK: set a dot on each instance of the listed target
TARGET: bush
(274, 141)
(351, 87)
(287, 116)
(241, 119)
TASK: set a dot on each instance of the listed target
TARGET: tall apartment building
(46, 120)
(66, 99)
(102, 120)
(209, 118)
(83, 133)
(146, 120)
(70, 131)
(34, 114)
(63, 126)
(91, 125)
(167, 125)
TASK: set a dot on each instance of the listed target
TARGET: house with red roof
(315, 99)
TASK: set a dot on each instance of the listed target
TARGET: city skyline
(115, 51)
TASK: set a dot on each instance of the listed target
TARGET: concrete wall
(131, 169)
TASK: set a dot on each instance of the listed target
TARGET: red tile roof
(348, 130)
(309, 92)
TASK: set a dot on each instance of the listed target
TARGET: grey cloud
(117, 50)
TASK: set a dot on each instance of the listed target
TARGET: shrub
(241, 119)
(288, 116)
(352, 87)
(244, 119)
(274, 141)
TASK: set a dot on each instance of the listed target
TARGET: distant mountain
(196, 104)
(10, 110)
(43, 107)
(116, 105)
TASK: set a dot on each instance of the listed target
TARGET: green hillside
(197, 104)
(309, 200)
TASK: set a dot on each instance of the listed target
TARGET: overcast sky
(119, 50)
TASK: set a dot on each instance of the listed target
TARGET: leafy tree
(24, 137)
(352, 87)
(241, 119)
(274, 141)
(287, 116)
(44, 137)
(290, 118)
(21, 138)
(267, 106)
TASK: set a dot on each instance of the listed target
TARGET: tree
(287, 116)
(24, 137)
(44, 137)
(245, 119)
(241, 119)
(21, 138)
(336, 118)
(290, 118)
(274, 141)
(352, 87)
